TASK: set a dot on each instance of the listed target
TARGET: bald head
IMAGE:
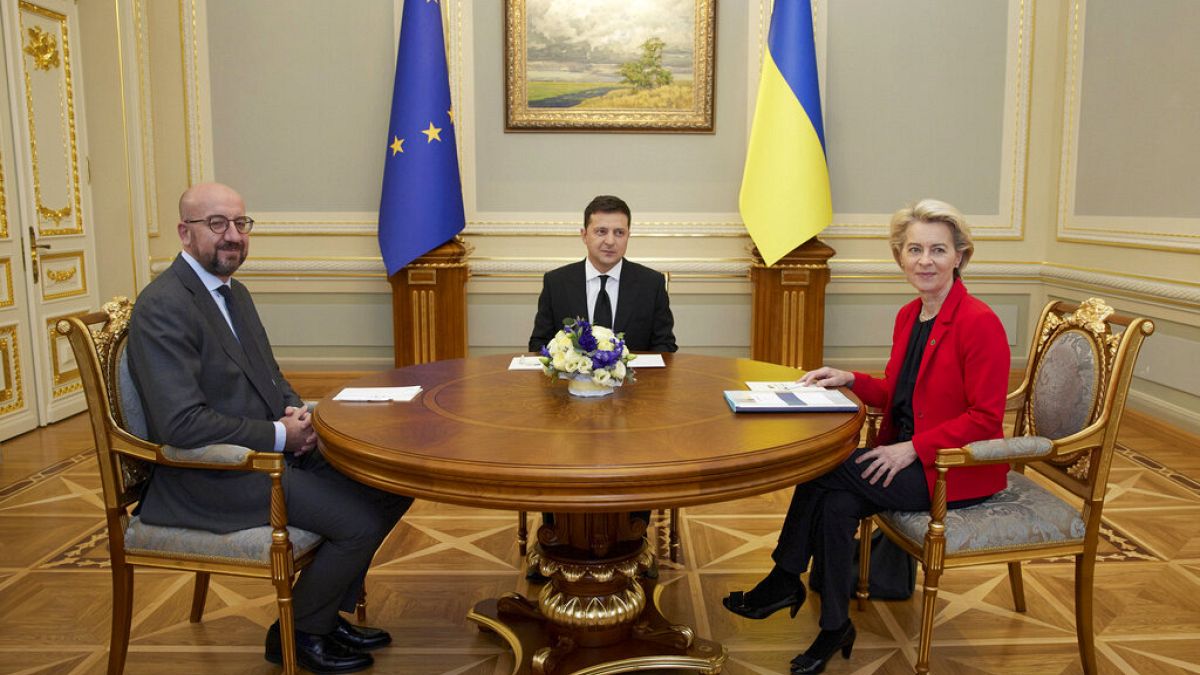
(196, 200)
(219, 253)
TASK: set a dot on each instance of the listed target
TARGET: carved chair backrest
(98, 341)
(1080, 365)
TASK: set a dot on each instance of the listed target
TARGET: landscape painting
(577, 65)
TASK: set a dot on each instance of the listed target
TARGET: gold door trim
(56, 277)
(8, 299)
(12, 396)
(67, 98)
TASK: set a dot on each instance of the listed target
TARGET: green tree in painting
(647, 72)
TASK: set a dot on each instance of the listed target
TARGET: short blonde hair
(932, 211)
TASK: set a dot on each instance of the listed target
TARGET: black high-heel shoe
(816, 657)
(736, 603)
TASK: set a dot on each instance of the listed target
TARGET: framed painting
(610, 65)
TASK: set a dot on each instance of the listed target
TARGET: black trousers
(353, 518)
(823, 517)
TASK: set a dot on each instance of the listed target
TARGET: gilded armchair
(276, 551)
(1068, 412)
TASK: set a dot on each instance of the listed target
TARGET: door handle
(33, 252)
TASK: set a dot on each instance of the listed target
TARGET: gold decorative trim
(58, 276)
(3, 202)
(10, 363)
(42, 47)
(8, 300)
(65, 382)
(1126, 231)
(46, 213)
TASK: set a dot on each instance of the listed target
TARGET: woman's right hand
(828, 377)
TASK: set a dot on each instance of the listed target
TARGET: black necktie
(244, 336)
(602, 315)
(227, 293)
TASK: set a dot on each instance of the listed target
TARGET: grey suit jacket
(643, 308)
(199, 387)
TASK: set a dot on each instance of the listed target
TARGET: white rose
(602, 333)
(605, 345)
(619, 371)
(603, 377)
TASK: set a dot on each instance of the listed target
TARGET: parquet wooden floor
(55, 594)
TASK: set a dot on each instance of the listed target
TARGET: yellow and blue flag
(785, 186)
(421, 207)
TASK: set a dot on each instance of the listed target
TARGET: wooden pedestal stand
(429, 306)
(788, 317)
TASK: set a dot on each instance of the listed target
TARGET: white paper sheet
(525, 363)
(648, 361)
(373, 394)
(783, 386)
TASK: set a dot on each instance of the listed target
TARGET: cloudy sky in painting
(579, 32)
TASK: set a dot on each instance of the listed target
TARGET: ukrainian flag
(785, 186)
(421, 206)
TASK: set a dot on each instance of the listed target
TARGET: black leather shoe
(319, 654)
(828, 642)
(360, 638)
(736, 603)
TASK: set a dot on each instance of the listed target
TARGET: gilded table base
(655, 643)
(596, 614)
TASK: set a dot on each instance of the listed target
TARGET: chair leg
(1017, 585)
(360, 607)
(522, 533)
(287, 624)
(199, 596)
(1085, 567)
(122, 617)
(928, 608)
(864, 563)
(674, 540)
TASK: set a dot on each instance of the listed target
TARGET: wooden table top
(482, 435)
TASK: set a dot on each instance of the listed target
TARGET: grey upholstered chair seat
(240, 546)
(1023, 514)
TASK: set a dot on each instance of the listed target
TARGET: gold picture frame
(609, 65)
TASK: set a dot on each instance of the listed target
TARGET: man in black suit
(204, 369)
(607, 289)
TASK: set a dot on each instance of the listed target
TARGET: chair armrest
(1014, 400)
(220, 453)
(997, 451)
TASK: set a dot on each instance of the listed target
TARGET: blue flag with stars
(421, 207)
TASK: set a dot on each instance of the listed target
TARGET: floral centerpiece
(593, 358)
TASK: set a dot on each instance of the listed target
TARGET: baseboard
(1165, 416)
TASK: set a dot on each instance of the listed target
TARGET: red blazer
(960, 390)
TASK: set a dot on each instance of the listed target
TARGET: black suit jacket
(198, 387)
(643, 308)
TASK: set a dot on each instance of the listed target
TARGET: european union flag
(421, 207)
(785, 196)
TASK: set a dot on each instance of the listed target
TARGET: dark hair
(606, 204)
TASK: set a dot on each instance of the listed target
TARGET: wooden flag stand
(429, 306)
(787, 323)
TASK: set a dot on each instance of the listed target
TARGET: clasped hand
(301, 437)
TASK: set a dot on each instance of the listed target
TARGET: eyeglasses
(218, 224)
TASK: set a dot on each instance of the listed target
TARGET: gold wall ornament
(43, 48)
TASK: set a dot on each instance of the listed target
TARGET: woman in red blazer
(944, 386)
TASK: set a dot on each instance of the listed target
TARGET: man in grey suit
(606, 288)
(204, 369)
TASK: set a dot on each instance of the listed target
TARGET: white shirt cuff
(280, 436)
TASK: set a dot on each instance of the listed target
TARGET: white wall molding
(842, 271)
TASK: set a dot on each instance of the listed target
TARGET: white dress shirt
(592, 285)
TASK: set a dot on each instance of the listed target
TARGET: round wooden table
(482, 435)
